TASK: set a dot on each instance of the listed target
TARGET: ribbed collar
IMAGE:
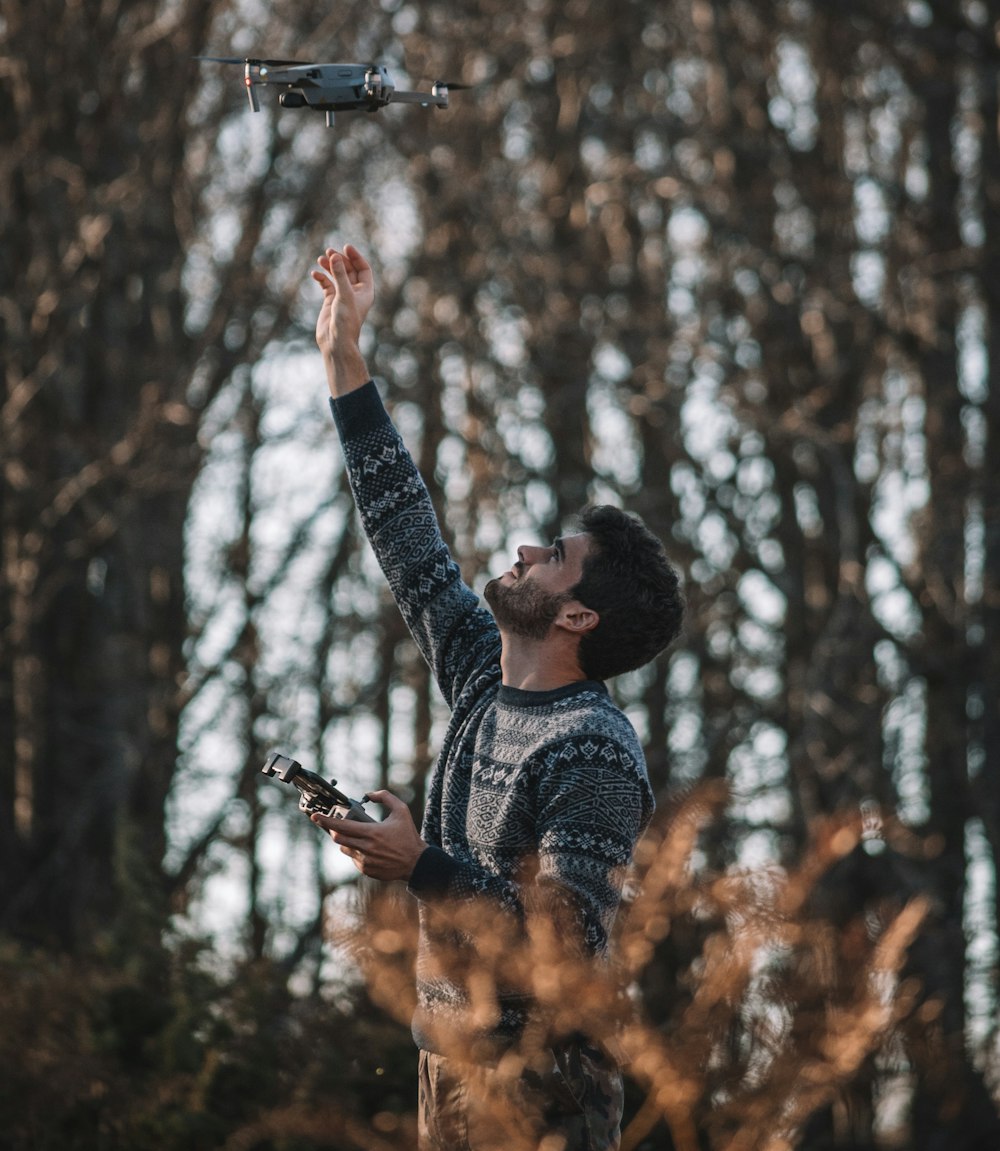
(517, 697)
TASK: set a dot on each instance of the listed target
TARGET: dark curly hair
(632, 585)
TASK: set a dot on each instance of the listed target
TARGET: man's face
(526, 600)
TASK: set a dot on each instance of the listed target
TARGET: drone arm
(438, 96)
(260, 72)
(249, 79)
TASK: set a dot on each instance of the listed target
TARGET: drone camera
(292, 99)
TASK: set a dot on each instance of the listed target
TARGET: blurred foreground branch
(775, 1014)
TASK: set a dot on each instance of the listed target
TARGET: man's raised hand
(348, 293)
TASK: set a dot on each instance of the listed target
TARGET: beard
(523, 610)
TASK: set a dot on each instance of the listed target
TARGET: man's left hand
(386, 850)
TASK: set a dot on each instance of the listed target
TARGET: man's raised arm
(455, 635)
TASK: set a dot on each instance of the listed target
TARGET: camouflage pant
(568, 1100)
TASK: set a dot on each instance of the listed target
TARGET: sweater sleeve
(455, 634)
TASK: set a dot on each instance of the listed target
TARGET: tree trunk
(99, 458)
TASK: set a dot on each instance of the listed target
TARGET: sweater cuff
(432, 875)
(359, 411)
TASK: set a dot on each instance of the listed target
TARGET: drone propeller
(253, 60)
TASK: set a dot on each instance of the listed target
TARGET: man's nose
(529, 555)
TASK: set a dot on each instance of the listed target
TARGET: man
(537, 763)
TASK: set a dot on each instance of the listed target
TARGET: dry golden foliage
(322, 1126)
(776, 1014)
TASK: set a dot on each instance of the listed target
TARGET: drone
(331, 88)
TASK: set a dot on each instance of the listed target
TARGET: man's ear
(574, 617)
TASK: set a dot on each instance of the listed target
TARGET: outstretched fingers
(359, 270)
(324, 276)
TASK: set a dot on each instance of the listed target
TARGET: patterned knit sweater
(555, 776)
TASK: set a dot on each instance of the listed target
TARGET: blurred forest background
(734, 264)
